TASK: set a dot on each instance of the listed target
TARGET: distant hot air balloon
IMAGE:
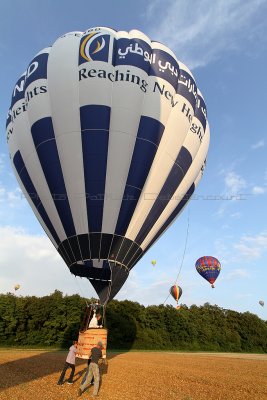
(153, 262)
(261, 302)
(17, 286)
(209, 268)
(100, 122)
(176, 292)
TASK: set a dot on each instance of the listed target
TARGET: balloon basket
(89, 339)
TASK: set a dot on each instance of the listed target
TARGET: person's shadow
(121, 335)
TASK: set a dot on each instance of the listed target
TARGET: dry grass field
(33, 375)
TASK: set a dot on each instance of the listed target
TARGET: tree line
(55, 320)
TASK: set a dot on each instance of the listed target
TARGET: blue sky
(224, 44)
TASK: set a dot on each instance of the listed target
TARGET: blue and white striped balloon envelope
(108, 136)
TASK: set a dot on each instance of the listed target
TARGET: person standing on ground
(93, 370)
(70, 363)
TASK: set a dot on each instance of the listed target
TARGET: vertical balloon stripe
(184, 159)
(129, 201)
(148, 138)
(131, 261)
(29, 187)
(36, 107)
(165, 66)
(173, 215)
(175, 177)
(37, 69)
(18, 91)
(106, 240)
(130, 51)
(150, 130)
(200, 111)
(128, 91)
(176, 129)
(84, 244)
(94, 117)
(95, 137)
(75, 247)
(95, 173)
(64, 95)
(64, 255)
(187, 87)
(44, 140)
(194, 174)
(176, 292)
(42, 132)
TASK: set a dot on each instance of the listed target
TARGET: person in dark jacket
(93, 370)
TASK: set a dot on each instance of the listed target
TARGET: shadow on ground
(23, 370)
(121, 335)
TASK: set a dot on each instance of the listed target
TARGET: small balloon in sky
(176, 292)
(209, 268)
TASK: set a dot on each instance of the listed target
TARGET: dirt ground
(32, 375)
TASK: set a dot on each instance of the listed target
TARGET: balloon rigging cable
(181, 265)
(81, 291)
(186, 239)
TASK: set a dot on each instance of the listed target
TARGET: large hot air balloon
(176, 292)
(261, 302)
(108, 137)
(209, 268)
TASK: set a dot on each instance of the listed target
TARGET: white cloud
(252, 247)
(2, 161)
(243, 295)
(199, 32)
(234, 186)
(234, 183)
(153, 292)
(33, 262)
(237, 273)
(11, 198)
(248, 251)
(257, 145)
(33, 247)
(258, 190)
(236, 215)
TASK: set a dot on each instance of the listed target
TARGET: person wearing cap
(93, 370)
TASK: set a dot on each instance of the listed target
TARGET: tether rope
(181, 265)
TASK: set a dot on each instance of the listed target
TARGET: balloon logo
(209, 268)
(93, 138)
(176, 292)
(90, 46)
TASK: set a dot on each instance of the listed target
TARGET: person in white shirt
(69, 363)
